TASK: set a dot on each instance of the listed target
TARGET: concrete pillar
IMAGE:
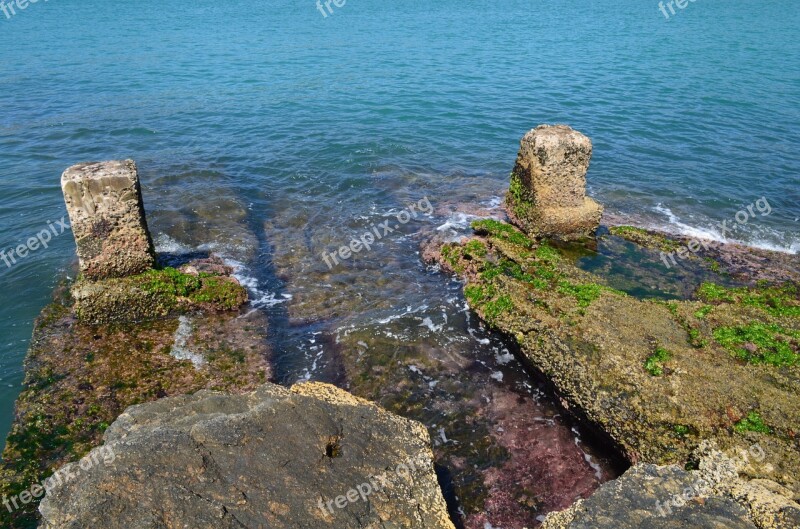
(104, 202)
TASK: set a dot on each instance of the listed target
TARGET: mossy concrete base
(155, 294)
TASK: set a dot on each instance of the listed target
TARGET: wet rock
(104, 202)
(312, 456)
(547, 195)
(632, 501)
(658, 377)
(713, 496)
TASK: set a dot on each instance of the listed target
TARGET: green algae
(169, 281)
(761, 343)
(547, 254)
(713, 292)
(154, 294)
(543, 267)
(655, 362)
(494, 308)
(778, 301)
(703, 311)
(505, 267)
(752, 423)
(452, 254)
(218, 291)
(202, 288)
(485, 296)
(80, 378)
(585, 294)
(714, 265)
(694, 336)
(518, 198)
(475, 248)
(681, 430)
(626, 395)
(502, 230)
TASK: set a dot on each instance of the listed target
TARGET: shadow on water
(387, 328)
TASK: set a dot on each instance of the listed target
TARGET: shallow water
(271, 134)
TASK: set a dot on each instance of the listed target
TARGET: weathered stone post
(547, 195)
(104, 202)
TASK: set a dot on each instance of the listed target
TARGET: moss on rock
(155, 294)
(607, 353)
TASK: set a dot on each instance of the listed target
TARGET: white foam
(494, 202)
(427, 322)
(408, 310)
(503, 358)
(259, 298)
(676, 225)
(686, 229)
(443, 436)
(166, 244)
(457, 222)
(598, 470)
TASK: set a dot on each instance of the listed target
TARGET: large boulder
(104, 202)
(547, 195)
(310, 456)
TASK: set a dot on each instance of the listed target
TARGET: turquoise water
(274, 133)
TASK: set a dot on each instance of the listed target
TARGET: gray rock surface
(310, 456)
(547, 196)
(668, 497)
(104, 202)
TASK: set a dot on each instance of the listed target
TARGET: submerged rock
(547, 196)
(104, 202)
(507, 454)
(312, 456)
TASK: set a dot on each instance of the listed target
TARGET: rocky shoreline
(689, 372)
(661, 377)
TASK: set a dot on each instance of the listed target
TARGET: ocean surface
(269, 133)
